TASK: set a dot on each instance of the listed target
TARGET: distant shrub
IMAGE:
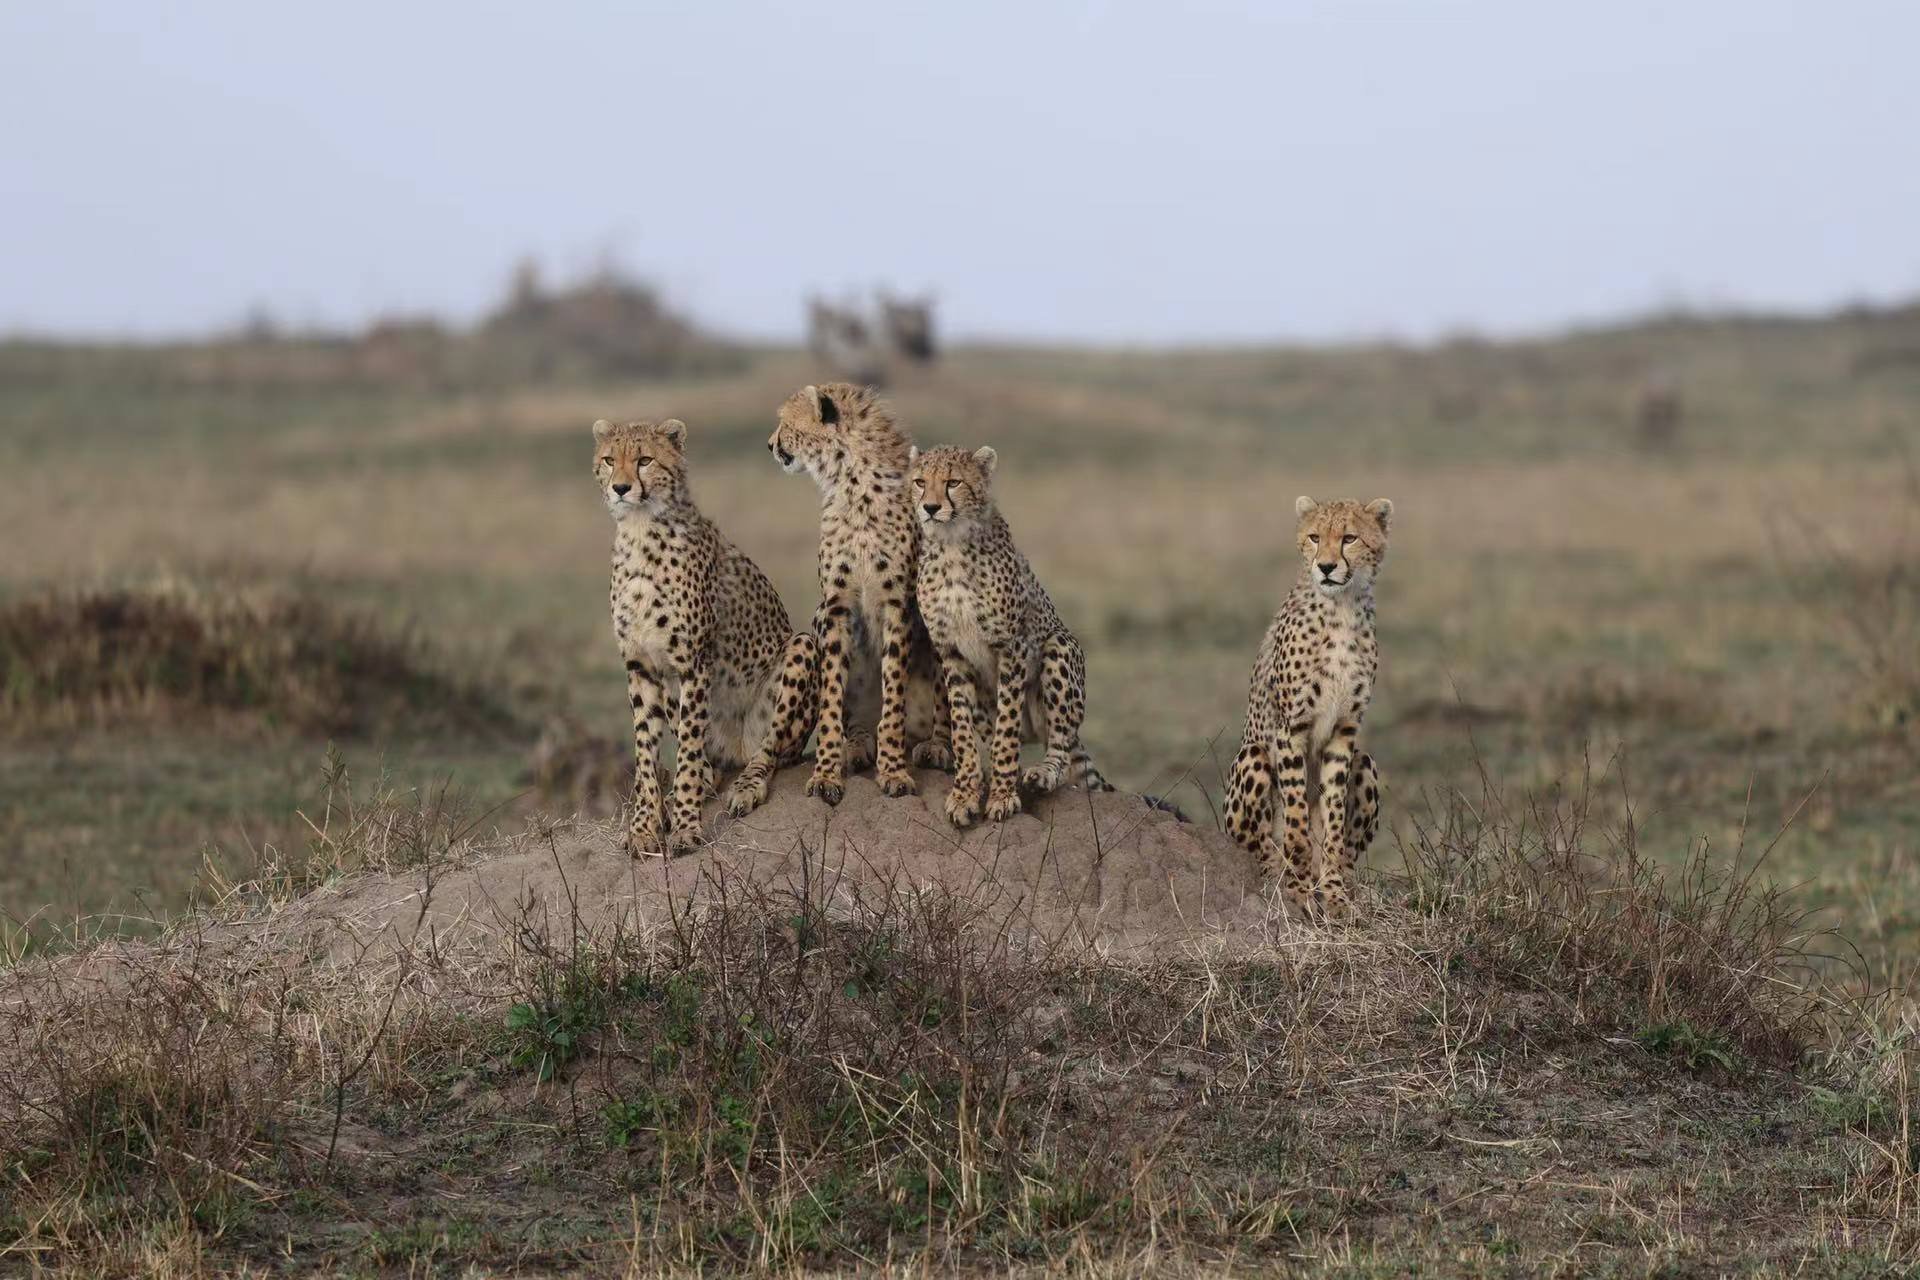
(606, 325)
(297, 660)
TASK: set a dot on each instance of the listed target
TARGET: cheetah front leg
(1363, 813)
(963, 801)
(647, 828)
(1296, 840)
(795, 693)
(693, 772)
(935, 750)
(833, 634)
(890, 738)
(1003, 795)
(1336, 759)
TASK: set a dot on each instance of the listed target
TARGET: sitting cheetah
(698, 624)
(1311, 685)
(995, 629)
(846, 438)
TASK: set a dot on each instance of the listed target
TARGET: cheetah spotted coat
(999, 638)
(1311, 686)
(704, 636)
(846, 438)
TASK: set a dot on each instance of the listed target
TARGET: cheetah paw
(963, 804)
(1002, 807)
(827, 786)
(934, 755)
(1331, 902)
(1039, 780)
(684, 838)
(1300, 900)
(646, 844)
(859, 751)
(898, 783)
(746, 795)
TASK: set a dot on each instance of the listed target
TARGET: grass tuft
(1553, 893)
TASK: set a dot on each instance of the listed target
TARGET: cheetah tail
(1084, 772)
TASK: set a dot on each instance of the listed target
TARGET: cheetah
(701, 627)
(848, 440)
(1310, 689)
(995, 630)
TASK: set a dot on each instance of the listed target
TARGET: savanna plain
(1627, 995)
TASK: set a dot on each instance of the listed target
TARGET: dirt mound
(1078, 868)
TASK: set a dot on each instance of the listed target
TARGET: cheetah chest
(649, 622)
(956, 609)
(863, 566)
(1344, 677)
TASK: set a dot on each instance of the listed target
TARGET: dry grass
(779, 1081)
(1870, 587)
(1617, 937)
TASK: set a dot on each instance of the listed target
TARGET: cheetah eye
(951, 484)
(606, 462)
(1349, 539)
(1314, 538)
(643, 462)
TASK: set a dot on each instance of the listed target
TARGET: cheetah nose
(931, 508)
(1326, 570)
(621, 489)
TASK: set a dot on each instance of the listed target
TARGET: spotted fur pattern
(1311, 686)
(847, 439)
(705, 638)
(999, 638)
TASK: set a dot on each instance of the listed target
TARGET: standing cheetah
(995, 630)
(846, 438)
(698, 625)
(1311, 686)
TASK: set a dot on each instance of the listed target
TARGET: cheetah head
(1342, 542)
(950, 486)
(641, 466)
(809, 435)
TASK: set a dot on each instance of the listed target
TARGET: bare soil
(1076, 869)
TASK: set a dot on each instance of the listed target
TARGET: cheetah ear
(1303, 504)
(602, 431)
(676, 431)
(1382, 509)
(829, 411)
(913, 452)
(986, 457)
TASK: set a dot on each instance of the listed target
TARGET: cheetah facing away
(701, 629)
(1310, 689)
(847, 439)
(997, 632)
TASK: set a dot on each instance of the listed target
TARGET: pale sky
(1108, 172)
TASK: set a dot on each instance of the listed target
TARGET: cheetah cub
(996, 631)
(878, 693)
(1310, 689)
(702, 631)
